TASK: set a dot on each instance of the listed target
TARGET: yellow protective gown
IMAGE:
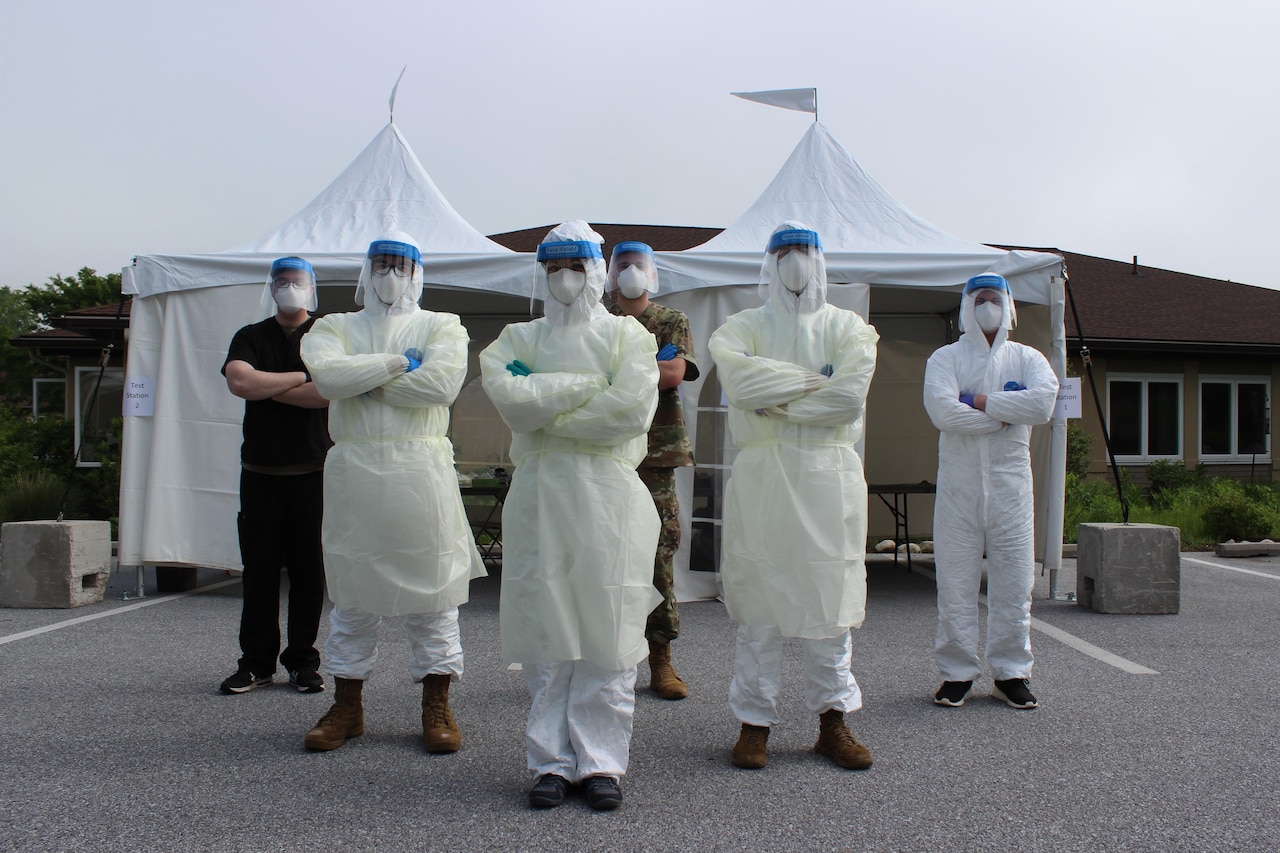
(579, 528)
(795, 517)
(396, 538)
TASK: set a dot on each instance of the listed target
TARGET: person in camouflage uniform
(632, 277)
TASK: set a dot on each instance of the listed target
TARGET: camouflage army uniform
(669, 449)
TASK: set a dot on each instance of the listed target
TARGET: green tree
(16, 367)
(35, 307)
(60, 294)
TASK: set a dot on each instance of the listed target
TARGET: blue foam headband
(794, 237)
(569, 249)
(633, 246)
(986, 281)
(394, 247)
(292, 264)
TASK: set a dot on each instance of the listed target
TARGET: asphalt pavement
(1154, 732)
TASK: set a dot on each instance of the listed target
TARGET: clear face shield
(632, 271)
(290, 287)
(988, 303)
(567, 273)
(391, 278)
(794, 264)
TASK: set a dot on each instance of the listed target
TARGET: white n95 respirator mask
(633, 281)
(291, 298)
(988, 316)
(565, 285)
(794, 271)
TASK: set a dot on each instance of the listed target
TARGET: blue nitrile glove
(967, 399)
(1012, 385)
(518, 368)
(827, 370)
(667, 352)
(415, 359)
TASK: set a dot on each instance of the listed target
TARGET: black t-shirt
(278, 435)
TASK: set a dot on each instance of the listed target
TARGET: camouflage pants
(664, 621)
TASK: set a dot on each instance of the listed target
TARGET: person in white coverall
(984, 393)
(395, 534)
(796, 373)
(578, 388)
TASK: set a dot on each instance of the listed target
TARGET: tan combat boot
(838, 743)
(439, 732)
(345, 719)
(663, 678)
(749, 752)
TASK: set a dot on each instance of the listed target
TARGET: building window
(94, 412)
(1144, 416)
(1235, 418)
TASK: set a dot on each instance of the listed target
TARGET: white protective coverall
(985, 498)
(579, 528)
(396, 537)
(795, 515)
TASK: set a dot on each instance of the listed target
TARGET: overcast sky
(1113, 128)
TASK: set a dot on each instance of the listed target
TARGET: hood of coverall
(572, 240)
(779, 288)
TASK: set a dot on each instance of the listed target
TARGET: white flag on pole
(391, 102)
(804, 100)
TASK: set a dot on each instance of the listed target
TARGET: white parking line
(1075, 642)
(1230, 568)
(1090, 649)
(22, 635)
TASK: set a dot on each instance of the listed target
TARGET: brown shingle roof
(663, 238)
(1125, 303)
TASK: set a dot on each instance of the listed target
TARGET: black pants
(279, 525)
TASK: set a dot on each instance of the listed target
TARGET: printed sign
(1068, 398)
(138, 399)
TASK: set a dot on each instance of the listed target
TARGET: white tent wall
(179, 482)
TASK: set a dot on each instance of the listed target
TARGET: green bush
(1236, 516)
(1079, 445)
(1089, 501)
(32, 497)
(1166, 477)
(27, 446)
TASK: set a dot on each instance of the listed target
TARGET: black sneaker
(953, 693)
(306, 680)
(1015, 692)
(548, 792)
(244, 681)
(603, 793)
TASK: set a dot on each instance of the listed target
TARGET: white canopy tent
(180, 465)
(887, 264)
(179, 479)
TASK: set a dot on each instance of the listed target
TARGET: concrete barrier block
(54, 563)
(1128, 568)
(1265, 548)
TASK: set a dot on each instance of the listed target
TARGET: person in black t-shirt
(286, 437)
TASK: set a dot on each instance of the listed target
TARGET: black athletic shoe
(548, 792)
(603, 793)
(306, 680)
(953, 693)
(244, 681)
(1015, 692)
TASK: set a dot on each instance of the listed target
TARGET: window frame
(1234, 380)
(92, 372)
(1145, 458)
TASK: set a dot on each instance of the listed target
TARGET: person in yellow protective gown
(796, 373)
(395, 534)
(578, 387)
